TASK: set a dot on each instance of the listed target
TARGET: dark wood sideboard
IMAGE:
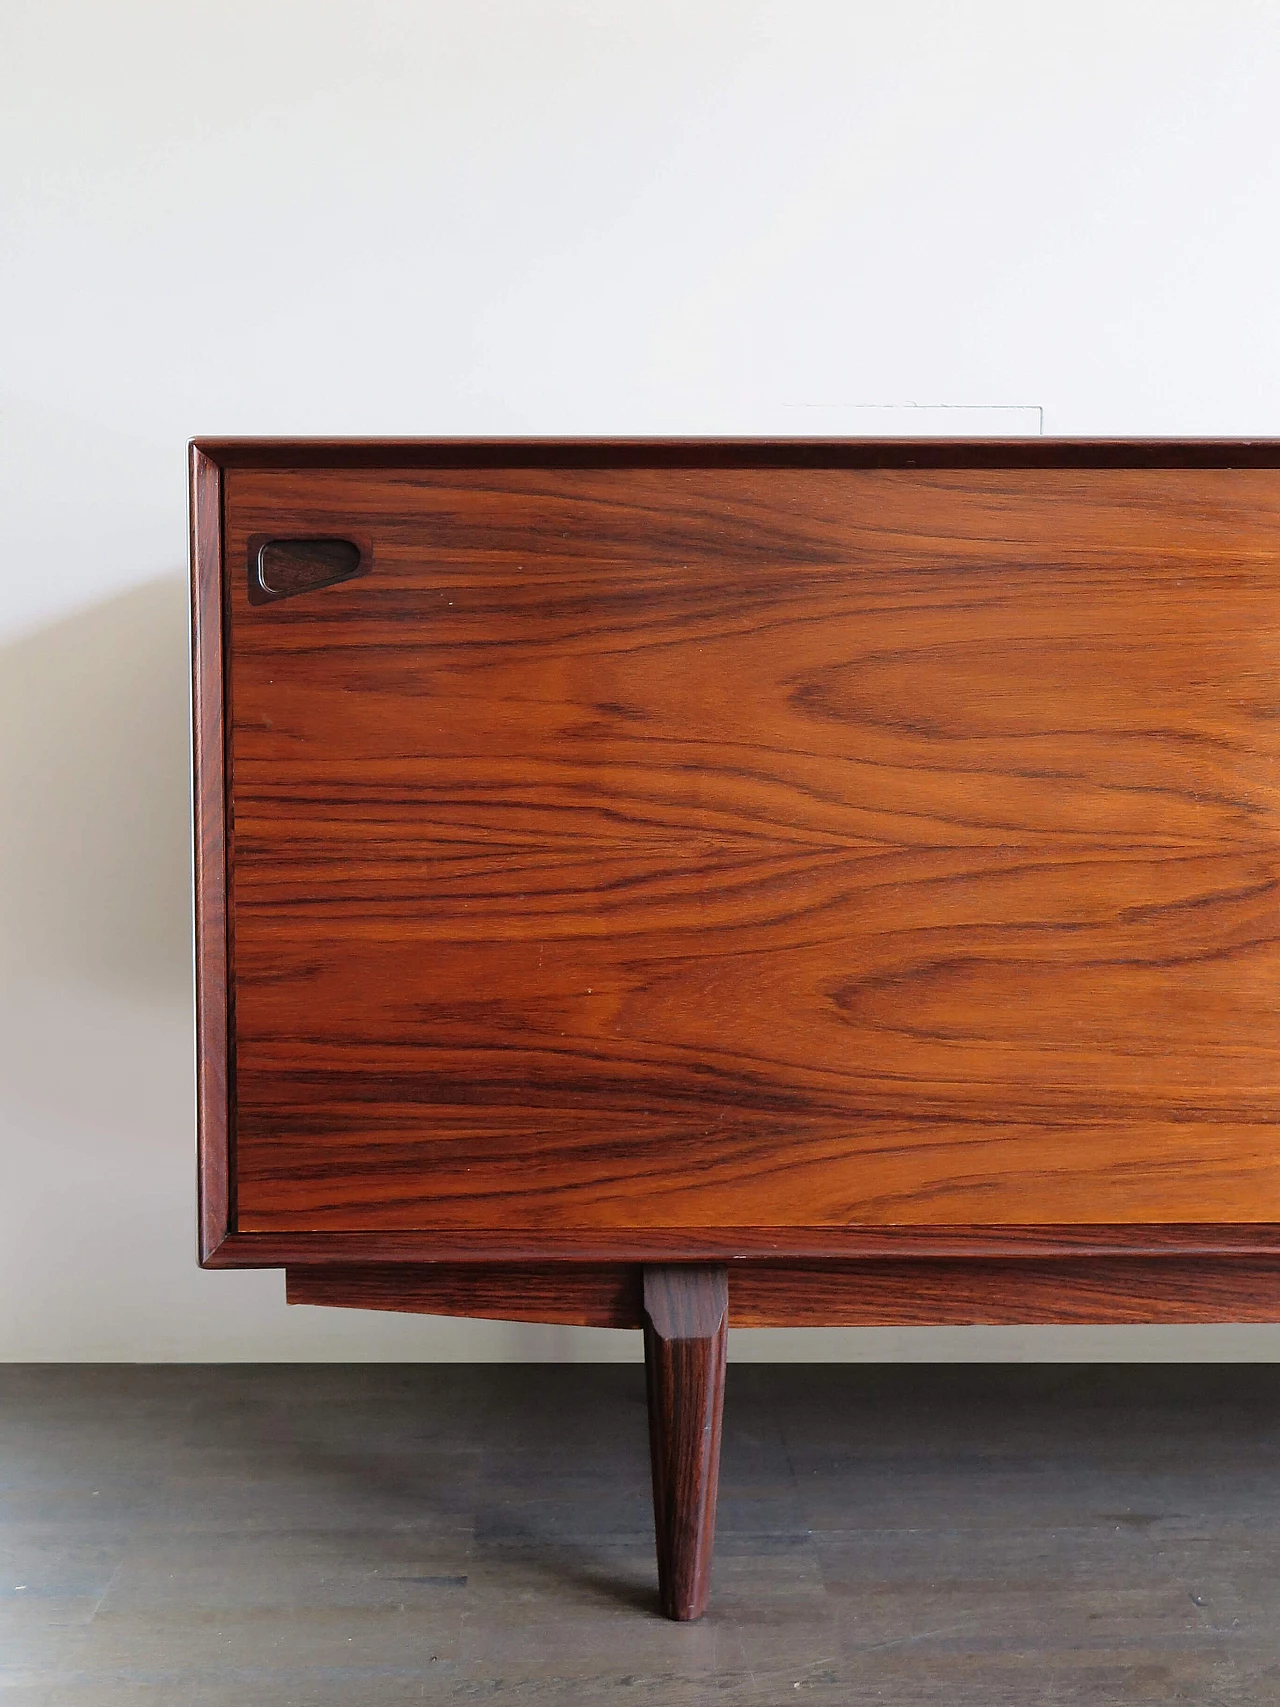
(666, 884)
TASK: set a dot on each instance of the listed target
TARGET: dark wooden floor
(374, 1535)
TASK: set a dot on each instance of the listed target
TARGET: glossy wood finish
(788, 849)
(917, 1293)
(686, 1320)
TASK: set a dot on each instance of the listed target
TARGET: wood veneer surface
(749, 848)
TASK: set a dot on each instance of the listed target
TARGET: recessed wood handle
(279, 568)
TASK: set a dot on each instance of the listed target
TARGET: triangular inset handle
(280, 568)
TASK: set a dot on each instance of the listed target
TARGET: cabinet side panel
(213, 1075)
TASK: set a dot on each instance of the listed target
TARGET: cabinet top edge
(959, 453)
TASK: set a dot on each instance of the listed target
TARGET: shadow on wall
(95, 862)
(95, 854)
(97, 1108)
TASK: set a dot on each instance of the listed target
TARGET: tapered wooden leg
(686, 1321)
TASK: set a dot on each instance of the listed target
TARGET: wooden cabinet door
(639, 848)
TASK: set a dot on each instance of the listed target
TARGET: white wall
(541, 216)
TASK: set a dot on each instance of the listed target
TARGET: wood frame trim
(286, 453)
(221, 1245)
(748, 1244)
(210, 795)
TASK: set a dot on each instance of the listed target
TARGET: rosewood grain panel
(757, 849)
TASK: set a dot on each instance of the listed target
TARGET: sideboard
(668, 884)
